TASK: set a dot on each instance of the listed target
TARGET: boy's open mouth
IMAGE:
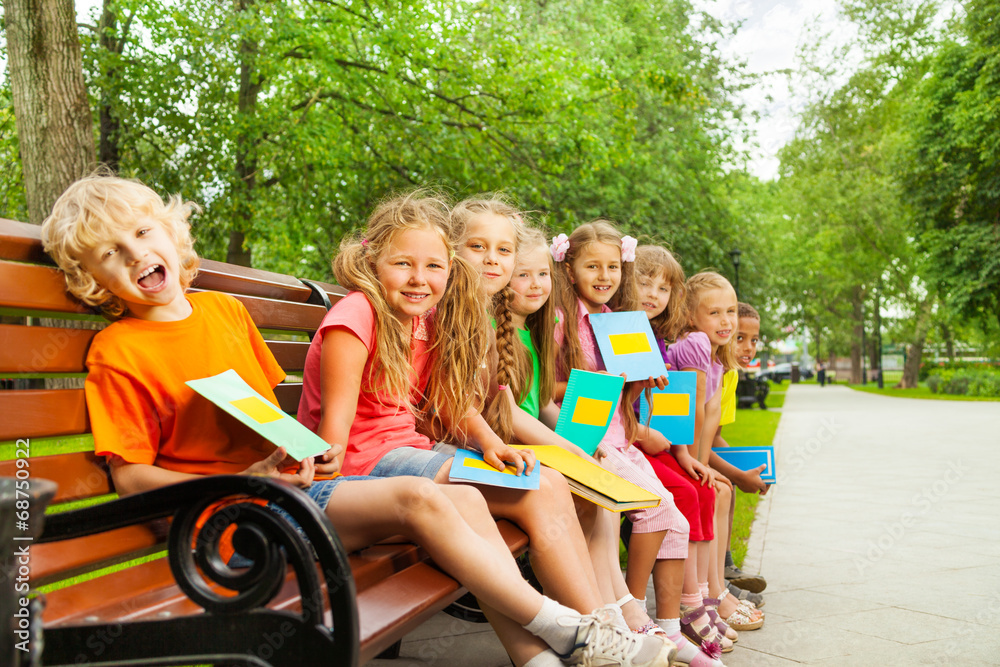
(152, 277)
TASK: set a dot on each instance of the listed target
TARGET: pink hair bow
(628, 248)
(560, 245)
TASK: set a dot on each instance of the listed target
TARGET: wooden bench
(184, 608)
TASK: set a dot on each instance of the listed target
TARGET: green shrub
(966, 381)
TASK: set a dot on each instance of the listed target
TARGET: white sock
(619, 616)
(545, 659)
(545, 626)
(671, 626)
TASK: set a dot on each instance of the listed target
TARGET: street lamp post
(734, 254)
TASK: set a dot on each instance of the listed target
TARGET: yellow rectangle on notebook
(260, 411)
(591, 412)
(630, 343)
(671, 405)
(483, 465)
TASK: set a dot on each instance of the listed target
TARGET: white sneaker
(599, 643)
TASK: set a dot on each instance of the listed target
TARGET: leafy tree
(951, 165)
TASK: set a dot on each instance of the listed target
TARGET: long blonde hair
(696, 286)
(653, 262)
(540, 324)
(459, 335)
(570, 354)
(512, 364)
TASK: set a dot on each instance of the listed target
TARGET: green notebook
(588, 407)
(231, 393)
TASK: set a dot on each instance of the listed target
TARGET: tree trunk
(949, 342)
(54, 127)
(915, 350)
(857, 313)
(246, 149)
(109, 144)
(819, 333)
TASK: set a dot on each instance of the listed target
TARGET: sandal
(740, 620)
(651, 628)
(726, 634)
(699, 632)
(751, 610)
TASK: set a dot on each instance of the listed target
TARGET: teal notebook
(748, 458)
(231, 393)
(673, 408)
(470, 467)
(588, 407)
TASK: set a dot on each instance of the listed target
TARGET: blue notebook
(588, 407)
(748, 458)
(673, 408)
(469, 466)
(627, 344)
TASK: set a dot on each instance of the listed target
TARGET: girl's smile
(490, 245)
(531, 284)
(414, 271)
(716, 315)
(654, 293)
(596, 274)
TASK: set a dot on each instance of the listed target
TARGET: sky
(768, 41)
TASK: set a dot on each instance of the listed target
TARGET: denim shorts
(413, 462)
(319, 491)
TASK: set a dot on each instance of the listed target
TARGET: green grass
(752, 428)
(919, 392)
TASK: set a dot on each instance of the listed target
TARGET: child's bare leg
(367, 511)
(557, 546)
(602, 543)
(717, 556)
(668, 580)
(691, 568)
(520, 644)
(642, 550)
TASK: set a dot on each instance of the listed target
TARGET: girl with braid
(486, 231)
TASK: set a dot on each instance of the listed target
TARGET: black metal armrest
(263, 536)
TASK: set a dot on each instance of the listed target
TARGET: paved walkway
(881, 542)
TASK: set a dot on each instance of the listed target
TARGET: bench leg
(392, 652)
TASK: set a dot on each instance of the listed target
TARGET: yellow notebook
(592, 482)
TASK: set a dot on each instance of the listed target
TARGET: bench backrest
(54, 420)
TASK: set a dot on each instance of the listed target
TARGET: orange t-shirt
(141, 410)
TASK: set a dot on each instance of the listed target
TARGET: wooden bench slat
(33, 413)
(400, 604)
(43, 349)
(290, 354)
(54, 562)
(78, 474)
(33, 287)
(288, 395)
(21, 241)
(282, 315)
(220, 277)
